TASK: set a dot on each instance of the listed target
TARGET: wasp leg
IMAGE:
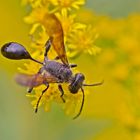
(70, 65)
(73, 65)
(47, 46)
(62, 92)
(36, 109)
(30, 89)
(56, 58)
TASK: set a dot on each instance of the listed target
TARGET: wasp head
(76, 83)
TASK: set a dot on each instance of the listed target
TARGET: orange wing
(34, 80)
(54, 29)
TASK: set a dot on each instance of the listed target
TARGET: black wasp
(51, 70)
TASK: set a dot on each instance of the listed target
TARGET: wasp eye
(14, 50)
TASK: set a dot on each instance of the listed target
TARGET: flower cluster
(75, 38)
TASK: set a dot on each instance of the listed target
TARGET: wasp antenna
(36, 61)
(82, 104)
(96, 84)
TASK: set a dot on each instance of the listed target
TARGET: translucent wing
(34, 80)
(29, 80)
(54, 29)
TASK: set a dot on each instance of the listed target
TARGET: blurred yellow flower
(128, 43)
(121, 72)
(120, 60)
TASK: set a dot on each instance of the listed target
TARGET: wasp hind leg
(36, 109)
(62, 92)
(30, 89)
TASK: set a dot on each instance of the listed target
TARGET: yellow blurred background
(111, 111)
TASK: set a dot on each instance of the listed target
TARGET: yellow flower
(29, 68)
(33, 3)
(68, 23)
(56, 5)
(67, 4)
(82, 41)
(36, 15)
(51, 95)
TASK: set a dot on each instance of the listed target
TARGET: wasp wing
(34, 80)
(58, 44)
(54, 29)
(29, 80)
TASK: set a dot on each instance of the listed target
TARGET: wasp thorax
(14, 50)
(76, 83)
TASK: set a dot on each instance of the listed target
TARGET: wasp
(51, 71)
